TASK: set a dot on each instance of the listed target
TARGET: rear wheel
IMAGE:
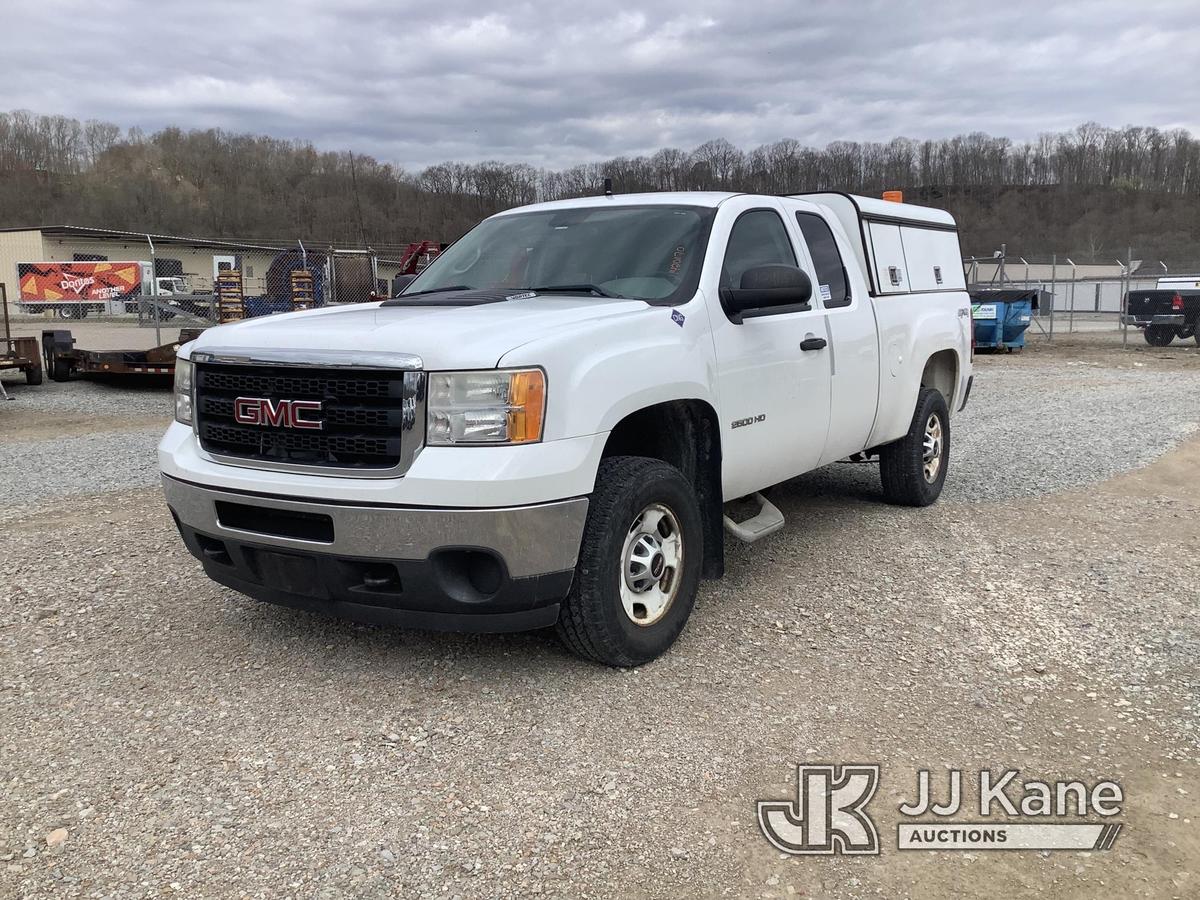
(1160, 335)
(33, 375)
(639, 564)
(60, 370)
(913, 469)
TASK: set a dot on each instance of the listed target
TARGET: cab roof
(658, 198)
(869, 207)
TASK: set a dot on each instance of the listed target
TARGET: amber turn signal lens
(527, 406)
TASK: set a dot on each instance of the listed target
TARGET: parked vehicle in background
(546, 427)
(1171, 310)
(175, 292)
(74, 289)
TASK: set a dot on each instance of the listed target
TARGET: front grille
(372, 419)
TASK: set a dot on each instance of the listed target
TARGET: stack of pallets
(231, 302)
(302, 289)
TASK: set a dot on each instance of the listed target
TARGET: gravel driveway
(160, 735)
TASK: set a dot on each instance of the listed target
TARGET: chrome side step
(767, 520)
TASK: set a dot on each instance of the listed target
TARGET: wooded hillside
(1089, 193)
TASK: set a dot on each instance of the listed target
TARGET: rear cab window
(833, 287)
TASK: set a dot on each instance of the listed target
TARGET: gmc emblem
(280, 413)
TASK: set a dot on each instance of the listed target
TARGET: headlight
(502, 407)
(183, 391)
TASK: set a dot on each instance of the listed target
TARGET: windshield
(643, 252)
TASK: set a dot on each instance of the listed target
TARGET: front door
(774, 395)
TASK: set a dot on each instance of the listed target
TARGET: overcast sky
(555, 84)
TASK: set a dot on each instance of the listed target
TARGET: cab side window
(758, 238)
(831, 272)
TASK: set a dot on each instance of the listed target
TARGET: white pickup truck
(545, 428)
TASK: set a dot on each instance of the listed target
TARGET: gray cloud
(555, 84)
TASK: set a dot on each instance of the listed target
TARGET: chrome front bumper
(445, 569)
(531, 540)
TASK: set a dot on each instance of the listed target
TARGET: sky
(556, 84)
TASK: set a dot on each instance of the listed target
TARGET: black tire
(60, 370)
(33, 375)
(594, 623)
(902, 463)
(1160, 335)
(1196, 335)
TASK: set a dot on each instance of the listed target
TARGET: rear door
(774, 396)
(850, 321)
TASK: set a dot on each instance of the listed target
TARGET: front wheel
(1160, 335)
(913, 469)
(639, 564)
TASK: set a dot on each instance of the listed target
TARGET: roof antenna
(607, 187)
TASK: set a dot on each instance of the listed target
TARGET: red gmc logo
(279, 413)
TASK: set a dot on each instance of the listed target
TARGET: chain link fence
(157, 281)
(1083, 297)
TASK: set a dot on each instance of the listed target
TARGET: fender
(912, 329)
(600, 373)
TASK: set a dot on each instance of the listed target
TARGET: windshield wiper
(576, 289)
(452, 287)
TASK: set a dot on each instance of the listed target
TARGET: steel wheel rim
(931, 454)
(651, 565)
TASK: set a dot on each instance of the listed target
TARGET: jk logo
(827, 815)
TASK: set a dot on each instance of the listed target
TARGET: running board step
(768, 520)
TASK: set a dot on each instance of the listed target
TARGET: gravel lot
(160, 735)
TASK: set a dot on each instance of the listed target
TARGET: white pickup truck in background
(546, 427)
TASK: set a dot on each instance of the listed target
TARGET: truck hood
(444, 337)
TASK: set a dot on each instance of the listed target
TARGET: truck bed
(1164, 307)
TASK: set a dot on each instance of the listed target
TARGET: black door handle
(813, 343)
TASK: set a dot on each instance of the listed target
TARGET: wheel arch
(685, 433)
(941, 373)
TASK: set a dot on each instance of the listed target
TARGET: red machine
(417, 256)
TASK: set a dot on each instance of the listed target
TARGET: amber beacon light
(894, 196)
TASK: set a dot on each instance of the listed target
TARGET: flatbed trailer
(20, 353)
(63, 359)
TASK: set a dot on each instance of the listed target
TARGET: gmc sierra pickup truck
(1171, 310)
(545, 428)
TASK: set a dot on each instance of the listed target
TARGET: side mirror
(400, 282)
(767, 289)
